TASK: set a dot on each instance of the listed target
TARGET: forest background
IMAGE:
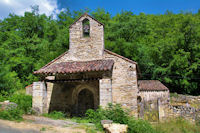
(165, 46)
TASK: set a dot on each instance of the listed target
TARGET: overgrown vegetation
(24, 105)
(11, 114)
(177, 125)
(165, 46)
(55, 115)
(115, 113)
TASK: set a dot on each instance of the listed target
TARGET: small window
(86, 28)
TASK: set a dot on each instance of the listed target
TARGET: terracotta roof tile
(31, 85)
(77, 66)
(151, 85)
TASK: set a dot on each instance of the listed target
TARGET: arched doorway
(85, 101)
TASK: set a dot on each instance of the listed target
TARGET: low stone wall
(181, 106)
(185, 100)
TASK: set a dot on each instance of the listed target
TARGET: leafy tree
(165, 46)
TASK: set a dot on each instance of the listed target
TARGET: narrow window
(86, 28)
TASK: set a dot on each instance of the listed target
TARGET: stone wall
(154, 95)
(124, 82)
(86, 48)
(184, 106)
(39, 96)
(105, 91)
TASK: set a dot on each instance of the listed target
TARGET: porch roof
(77, 66)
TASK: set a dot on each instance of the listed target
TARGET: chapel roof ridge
(86, 14)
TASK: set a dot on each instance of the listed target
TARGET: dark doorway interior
(85, 101)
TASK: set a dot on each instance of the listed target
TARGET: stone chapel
(87, 76)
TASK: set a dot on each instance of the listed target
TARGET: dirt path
(35, 124)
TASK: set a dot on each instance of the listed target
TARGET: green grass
(55, 115)
(43, 129)
(80, 120)
(177, 125)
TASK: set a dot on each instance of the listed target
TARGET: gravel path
(4, 128)
(38, 124)
(48, 121)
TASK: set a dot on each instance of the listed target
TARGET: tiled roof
(77, 66)
(31, 85)
(151, 85)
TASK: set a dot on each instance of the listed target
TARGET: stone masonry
(108, 83)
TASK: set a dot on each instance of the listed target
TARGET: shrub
(140, 126)
(55, 115)
(23, 101)
(118, 115)
(2, 98)
(24, 105)
(11, 114)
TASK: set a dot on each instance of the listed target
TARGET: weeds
(55, 115)
(43, 129)
(11, 114)
(24, 105)
(118, 115)
(177, 125)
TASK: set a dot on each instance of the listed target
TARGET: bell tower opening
(86, 27)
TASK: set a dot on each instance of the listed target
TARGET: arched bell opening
(86, 27)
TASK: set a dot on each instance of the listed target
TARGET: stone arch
(81, 87)
(86, 27)
(85, 101)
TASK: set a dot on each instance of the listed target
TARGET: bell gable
(86, 38)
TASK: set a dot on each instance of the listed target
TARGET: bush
(118, 115)
(140, 126)
(23, 101)
(2, 98)
(11, 114)
(55, 115)
(24, 105)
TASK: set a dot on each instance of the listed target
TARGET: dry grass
(178, 125)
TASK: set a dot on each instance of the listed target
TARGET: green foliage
(24, 102)
(24, 105)
(166, 46)
(11, 114)
(118, 115)
(80, 120)
(140, 126)
(55, 115)
(43, 129)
